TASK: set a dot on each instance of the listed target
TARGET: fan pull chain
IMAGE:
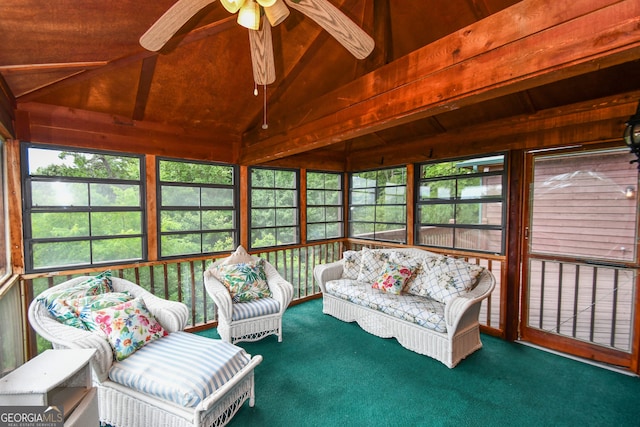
(255, 89)
(264, 123)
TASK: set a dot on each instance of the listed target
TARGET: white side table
(59, 378)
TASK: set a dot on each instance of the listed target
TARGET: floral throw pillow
(57, 302)
(351, 264)
(245, 281)
(82, 307)
(393, 278)
(129, 326)
(372, 265)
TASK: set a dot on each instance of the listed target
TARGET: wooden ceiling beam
(144, 86)
(21, 68)
(588, 122)
(510, 51)
(379, 13)
(479, 8)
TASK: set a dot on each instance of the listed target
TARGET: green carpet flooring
(331, 373)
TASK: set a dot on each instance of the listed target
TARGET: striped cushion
(259, 307)
(182, 367)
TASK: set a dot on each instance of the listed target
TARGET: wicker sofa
(181, 379)
(438, 321)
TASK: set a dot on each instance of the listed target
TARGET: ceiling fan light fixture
(249, 15)
(266, 3)
(276, 13)
(232, 6)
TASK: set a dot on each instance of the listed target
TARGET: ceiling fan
(259, 18)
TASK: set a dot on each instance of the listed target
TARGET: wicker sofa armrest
(324, 273)
(464, 310)
(219, 294)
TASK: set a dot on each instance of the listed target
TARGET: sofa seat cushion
(259, 307)
(420, 310)
(182, 368)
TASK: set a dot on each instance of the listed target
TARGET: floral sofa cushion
(372, 264)
(351, 264)
(416, 309)
(442, 278)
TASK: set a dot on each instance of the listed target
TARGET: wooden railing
(183, 281)
(296, 265)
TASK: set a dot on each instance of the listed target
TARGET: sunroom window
(378, 205)
(274, 201)
(82, 208)
(460, 204)
(324, 206)
(197, 208)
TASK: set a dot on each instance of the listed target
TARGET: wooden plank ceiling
(62, 56)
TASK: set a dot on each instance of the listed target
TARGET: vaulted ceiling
(85, 56)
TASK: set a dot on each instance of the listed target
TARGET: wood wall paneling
(7, 107)
(64, 126)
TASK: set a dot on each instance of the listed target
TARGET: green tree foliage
(324, 205)
(88, 204)
(378, 200)
(88, 165)
(450, 192)
(274, 207)
(195, 173)
(77, 197)
(202, 205)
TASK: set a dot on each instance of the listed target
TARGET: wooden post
(152, 208)
(244, 206)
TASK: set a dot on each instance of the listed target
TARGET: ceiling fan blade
(169, 23)
(264, 69)
(336, 23)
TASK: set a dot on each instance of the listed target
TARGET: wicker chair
(237, 321)
(121, 406)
